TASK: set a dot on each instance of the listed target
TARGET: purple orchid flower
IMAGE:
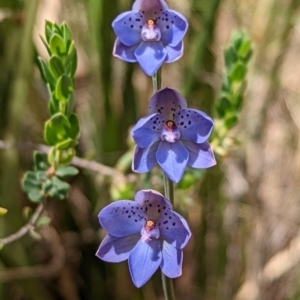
(145, 231)
(150, 34)
(173, 136)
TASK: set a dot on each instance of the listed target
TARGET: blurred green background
(244, 213)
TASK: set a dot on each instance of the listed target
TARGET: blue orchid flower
(150, 34)
(147, 232)
(173, 136)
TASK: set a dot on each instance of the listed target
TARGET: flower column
(147, 231)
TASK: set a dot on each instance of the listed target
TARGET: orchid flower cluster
(147, 231)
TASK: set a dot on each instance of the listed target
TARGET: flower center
(170, 132)
(149, 225)
(150, 31)
(150, 230)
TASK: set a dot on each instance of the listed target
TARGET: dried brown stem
(25, 229)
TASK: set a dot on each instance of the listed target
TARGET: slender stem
(167, 282)
(23, 230)
(156, 80)
(169, 189)
(169, 193)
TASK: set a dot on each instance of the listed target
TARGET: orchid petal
(144, 159)
(171, 264)
(153, 203)
(124, 52)
(146, 5)
(174, 53)
(194, 125)
(144, 260)
(201, 155)
(147, 130)
(122, 218)
(128, 26)
(172, 158)
(113, 249)
(174, 229)
(173, 26)
(167, 102)
(150, 56)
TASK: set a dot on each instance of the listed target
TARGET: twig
(78, 162)
(47, 270)
(25, 229)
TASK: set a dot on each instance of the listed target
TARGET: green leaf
(57, 45)
(237, 102)
(46, 45)
(66, 171)
(230, 121)
(41, 175)
(30, 182)
(43, 221)
(64, 88)
(48, 30)
(54, 104)
(237, 39)
(244, 48)
(36, 195)
(56, 67)
(56, 129)
(71, 61)
(40, 161)
(67, 156)
(238, 72)
(74, 129)
(65, 144)
(230, 57)
(66, 34)
(223, 105)
(34, 235)
(45, 72)
(59, 188)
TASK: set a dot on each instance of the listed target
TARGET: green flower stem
(156, 80)
(169, 189)
(169, 193)
(167, 282)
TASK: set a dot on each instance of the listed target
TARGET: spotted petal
(174, 229)
(113, 249)
(173, 27)
(171, 264)
(122, 218)
(201, 155)
(194, 125)
(153, 203)
(172, 158)
(124, 52)
(167, 102)
(174, 53)
(144, 260)
(147, 130)
(150, 56)
(128, 26)
(144, 159)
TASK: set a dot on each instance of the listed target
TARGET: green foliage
(62, 130)
(45, 181)
(236, 58)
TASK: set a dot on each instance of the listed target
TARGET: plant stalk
(169, 194)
